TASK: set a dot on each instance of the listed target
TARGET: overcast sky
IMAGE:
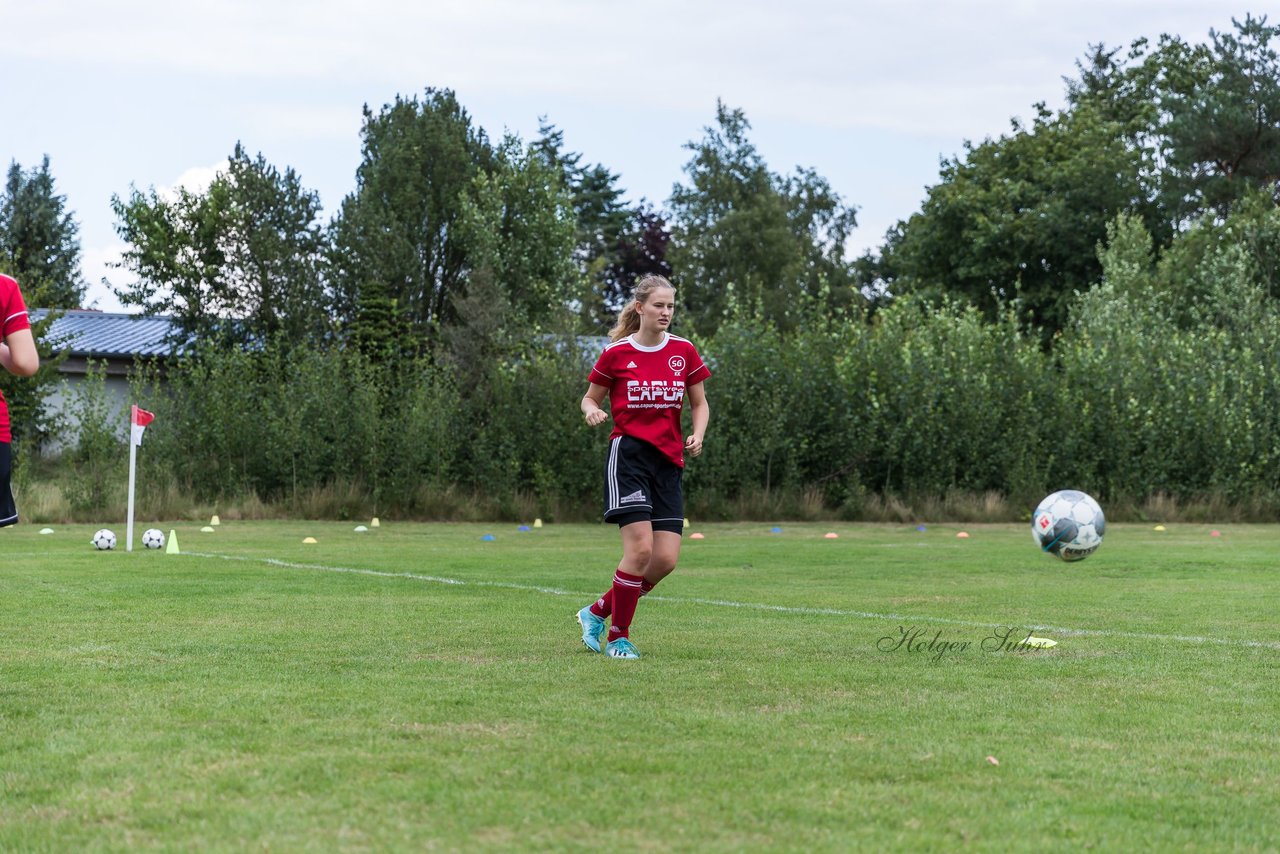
(870, 93)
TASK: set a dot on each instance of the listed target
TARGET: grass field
(415, 688)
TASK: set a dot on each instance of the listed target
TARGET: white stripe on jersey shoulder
(15, 314)
(623, 340)
(678, 338)
(667, 336)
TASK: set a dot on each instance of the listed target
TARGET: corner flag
(139, 419)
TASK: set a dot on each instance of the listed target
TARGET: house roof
(101, 334)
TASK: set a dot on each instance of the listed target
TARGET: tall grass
(45, 502)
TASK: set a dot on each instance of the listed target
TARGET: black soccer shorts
(8, 510)
(642, 485)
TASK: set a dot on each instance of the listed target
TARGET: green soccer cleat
(592, 628)
(622, 648)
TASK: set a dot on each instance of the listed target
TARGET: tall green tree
(1132, 92)
(518, 226)
(597, 200)
(39, 239)
(1206, 117)
(40, 247)
(1019, 217)
(642, 249)
(1185, 274)
(1224, 127)
(241, 260)
(396, 249)
(746, 239)
(1167, 132)
(604, 222)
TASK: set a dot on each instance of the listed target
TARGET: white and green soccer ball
(1068, 525)
(104, 540)
(153, 538)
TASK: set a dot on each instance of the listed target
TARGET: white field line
(752, 606)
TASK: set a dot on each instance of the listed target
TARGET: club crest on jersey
(676, 363)
(655, 391)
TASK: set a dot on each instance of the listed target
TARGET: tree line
(1151, 196)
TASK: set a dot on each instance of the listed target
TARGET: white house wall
(61, 403)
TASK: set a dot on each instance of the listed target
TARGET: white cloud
(194, 180)
(950, 66)
(97, 264)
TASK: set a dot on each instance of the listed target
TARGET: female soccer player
(647, 373)
(18, 356)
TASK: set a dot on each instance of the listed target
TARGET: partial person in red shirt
(18, 356)
(647, 374)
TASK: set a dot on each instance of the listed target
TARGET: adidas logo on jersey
(633, 497)
(631, 364)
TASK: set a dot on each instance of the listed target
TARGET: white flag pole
(133, 467)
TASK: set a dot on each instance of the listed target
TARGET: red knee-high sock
(603, 606)
(626, 595)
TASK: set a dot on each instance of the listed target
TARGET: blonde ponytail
(629, 318)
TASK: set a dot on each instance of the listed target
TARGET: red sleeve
(602, 373)
(698, 370)
(13, 311)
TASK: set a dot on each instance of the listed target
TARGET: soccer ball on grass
(153, 538)
(104, 540)
(1069, 525)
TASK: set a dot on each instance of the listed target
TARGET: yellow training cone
(215, 520)
(172, 547)
(1040, 643)
(1158, 528)
(207, 529)
(375, 523)
(686, 521)
(537, 523)
(309, 539)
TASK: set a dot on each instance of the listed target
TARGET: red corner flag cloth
(138, 422)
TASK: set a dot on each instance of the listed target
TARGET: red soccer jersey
(646, 389)
(13, 316)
